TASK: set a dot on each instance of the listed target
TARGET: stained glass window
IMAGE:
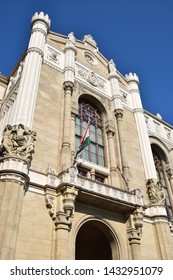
(95, 151)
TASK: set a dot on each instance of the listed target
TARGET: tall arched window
(162, 177)
(94, 152)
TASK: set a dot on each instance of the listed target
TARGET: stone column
(118, 109)
(69, 70)
(65, 210)
(66, 144)
(169, 172)
(125, 168)
(73, 119)
(149, 167)
(13, 184)
(163, 238)
(15, 158)
(23, 108)
(110, 136)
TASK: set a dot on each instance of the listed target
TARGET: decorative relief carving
(50, 204)
(168, 133)
(90, 57)
(69, 196)
(135, 226)
(157, 127)
(18, 141)
(156, 192)
(53, 56)
(90, 77)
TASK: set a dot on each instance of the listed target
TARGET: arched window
(94, 152)
(162, 177)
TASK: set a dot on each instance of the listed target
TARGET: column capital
(68, 86)
(110, 128)
(169, 171)
(118, 114)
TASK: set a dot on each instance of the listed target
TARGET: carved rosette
(18, 141)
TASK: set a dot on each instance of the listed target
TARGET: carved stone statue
(156, 192)
(18, 141)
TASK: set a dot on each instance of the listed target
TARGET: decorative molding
(159, 129)
(90, 77)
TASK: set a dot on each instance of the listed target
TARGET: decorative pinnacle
(89, 39)
(132, 78)
(70, 44)
(112, 66)
(41, 17)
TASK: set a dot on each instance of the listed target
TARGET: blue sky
(136, 34)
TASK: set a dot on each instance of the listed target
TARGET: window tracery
(94, 152)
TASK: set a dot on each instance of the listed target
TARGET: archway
(93, 242)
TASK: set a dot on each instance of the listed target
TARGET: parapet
(41, 17)
(132, 77)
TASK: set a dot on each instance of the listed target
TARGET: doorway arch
(94, 241)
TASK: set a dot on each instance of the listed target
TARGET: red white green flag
(84, 141)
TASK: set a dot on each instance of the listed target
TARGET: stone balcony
(100, 195)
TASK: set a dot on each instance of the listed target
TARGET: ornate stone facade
(117, 196)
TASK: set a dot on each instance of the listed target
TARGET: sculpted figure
(156, 192)
(18, 141)
(7, 143)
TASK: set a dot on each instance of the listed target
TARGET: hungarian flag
(84, 141)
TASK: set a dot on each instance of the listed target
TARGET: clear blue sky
(136, 34)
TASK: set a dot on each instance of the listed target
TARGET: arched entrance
(93, 242)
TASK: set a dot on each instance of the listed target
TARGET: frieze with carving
(18, 141)
(90, 77)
